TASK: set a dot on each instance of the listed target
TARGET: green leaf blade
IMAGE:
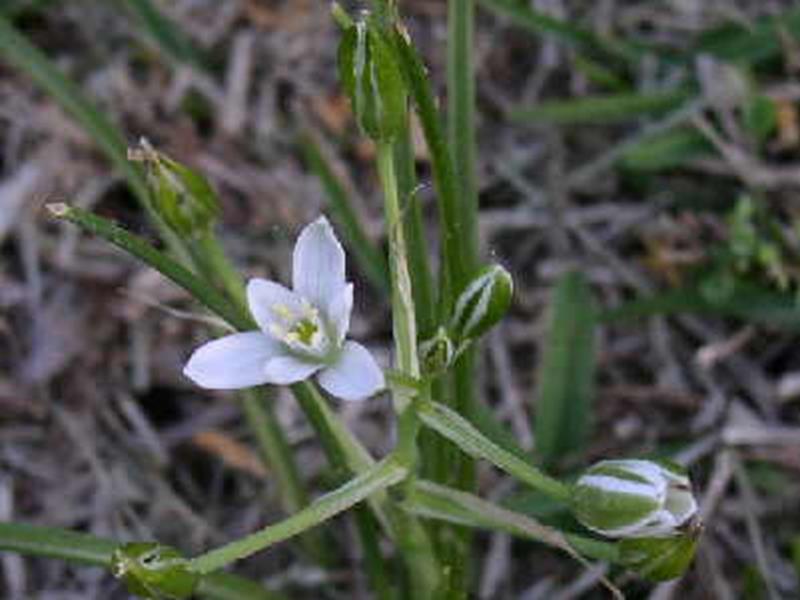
(567, 370)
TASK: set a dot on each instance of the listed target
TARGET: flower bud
(633, 498)
(482, 304)
(182, 197)
(660, 558)
(372, 78)
(152, 570)
(437, 353)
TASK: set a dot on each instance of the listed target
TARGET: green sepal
(662, 558)
(437, 353)
(152, 570)
(372, 79)
(182, 197)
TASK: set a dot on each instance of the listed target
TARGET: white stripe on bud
(633, 498)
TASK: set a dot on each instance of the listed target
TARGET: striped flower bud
(633, 498)
(152, 570)
(482, 304)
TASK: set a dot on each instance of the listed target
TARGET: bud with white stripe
(634, 498)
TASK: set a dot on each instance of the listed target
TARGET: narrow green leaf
(431, 500)
(162, 263)
(743, 300)
(20, 53)
(611, 108)
(566, 371)
(172, 40)
(15, 48)
(666, 150)
(470, 440)
(523, 15)
(451, 220)
(749, 42)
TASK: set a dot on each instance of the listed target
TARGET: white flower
(302, 331)
(633, 498)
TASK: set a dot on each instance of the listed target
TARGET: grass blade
(17, 50)
(613, 108)
(743, 301)
(522, 15)
(172, 40)
(566, 371)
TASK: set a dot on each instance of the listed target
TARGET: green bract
(372, 79)
(437, 353)
(152, 570)
(660, 558)
(482, 304)
(633, 498)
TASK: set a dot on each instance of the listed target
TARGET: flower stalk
(382, 476)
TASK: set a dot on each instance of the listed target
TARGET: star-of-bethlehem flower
(301, 331)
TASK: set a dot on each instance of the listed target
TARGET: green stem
(216, 265)
(462, 433)
(81, 548)
(380, 477)
(462, 137)
(403, 318)
(342, 461)
(418, 261)
(412, 537)
(461, 133)
(275, 451)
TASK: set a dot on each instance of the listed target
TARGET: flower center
(301, 330)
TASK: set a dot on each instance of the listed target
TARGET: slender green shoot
(84, 549)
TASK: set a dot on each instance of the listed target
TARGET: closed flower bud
(437, 353)
(372, 78)
(482, 304)
(633, 498)
(152, 570)
(660, 558)
(182, 197)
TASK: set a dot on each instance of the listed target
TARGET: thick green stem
(380, 477)
(412, 537)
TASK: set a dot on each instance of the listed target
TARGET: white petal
(283, 370)
(264, 296)
(355, 376)
(339, 312)
(318, 264)
(232, 362)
